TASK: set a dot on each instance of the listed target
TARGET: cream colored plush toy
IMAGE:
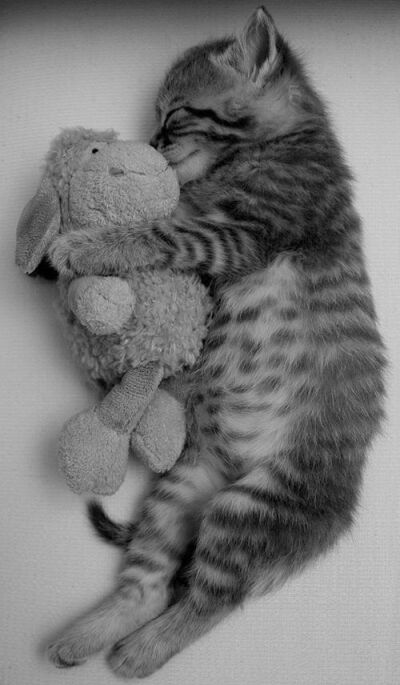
(129, 334)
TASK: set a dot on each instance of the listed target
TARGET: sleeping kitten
(288, 392)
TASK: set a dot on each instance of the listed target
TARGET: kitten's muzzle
(155, 140)
(160, 139)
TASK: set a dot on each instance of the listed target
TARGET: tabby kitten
(288, 392)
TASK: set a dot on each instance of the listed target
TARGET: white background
(98, 64)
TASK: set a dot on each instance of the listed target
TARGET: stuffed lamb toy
(128, 333)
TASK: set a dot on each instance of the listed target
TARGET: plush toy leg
(92, 457)
(160, 434)
(94, 444)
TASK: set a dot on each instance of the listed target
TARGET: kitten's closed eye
(183, 145)
(174, 127)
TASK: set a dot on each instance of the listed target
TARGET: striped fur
(287, 394)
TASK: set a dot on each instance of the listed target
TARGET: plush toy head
(92, 179)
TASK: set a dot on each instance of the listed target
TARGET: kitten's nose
(161, 139)
(154, 142)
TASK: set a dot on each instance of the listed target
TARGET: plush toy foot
(92, 456)
(160, 434)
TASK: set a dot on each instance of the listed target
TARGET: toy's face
(118, 183)
(92, 182)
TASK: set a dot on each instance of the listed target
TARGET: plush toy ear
(37, 227)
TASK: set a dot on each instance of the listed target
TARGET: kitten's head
(230, 92)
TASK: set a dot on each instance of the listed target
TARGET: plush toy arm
(94, 444)
(102, 304)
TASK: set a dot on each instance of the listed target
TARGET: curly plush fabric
(168, 324)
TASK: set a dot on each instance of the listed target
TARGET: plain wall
(98, 64)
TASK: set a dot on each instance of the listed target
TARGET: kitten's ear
(258, 43)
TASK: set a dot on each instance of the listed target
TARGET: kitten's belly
(262, 339)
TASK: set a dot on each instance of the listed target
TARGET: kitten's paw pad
(64, 655)
(135, 657)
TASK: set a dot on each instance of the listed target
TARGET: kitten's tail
(119, 534)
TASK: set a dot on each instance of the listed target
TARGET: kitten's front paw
(59, 256)
(66, 253)
(78, 254)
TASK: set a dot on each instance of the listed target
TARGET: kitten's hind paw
(140, 654)
(64, 654)
(128, 659)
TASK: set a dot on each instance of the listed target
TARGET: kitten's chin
(191, 167)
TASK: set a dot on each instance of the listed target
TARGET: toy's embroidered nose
(116, 171)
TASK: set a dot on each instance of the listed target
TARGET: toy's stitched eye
(95, 149)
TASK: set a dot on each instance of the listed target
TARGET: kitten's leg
(143, 652)
(252, 537)
(152, 559)
(180, 241)
(219, 579)
(215, 589)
